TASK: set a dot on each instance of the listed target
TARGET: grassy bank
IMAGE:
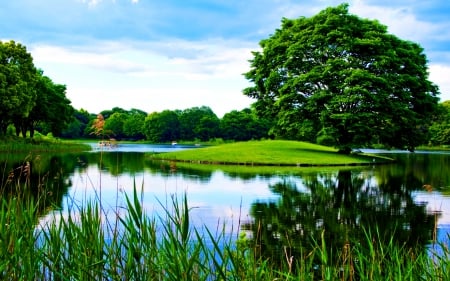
(86, 245)
(41, 144)
(272, 152)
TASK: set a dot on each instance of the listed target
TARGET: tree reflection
(339, 208)
(169, 168)
(44, 180)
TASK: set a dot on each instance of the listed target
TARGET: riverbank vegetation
(270, 152)
(91, 243)
(39, 144)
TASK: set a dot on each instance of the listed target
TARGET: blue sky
(175, 54)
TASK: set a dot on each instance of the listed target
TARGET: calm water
(410, 197)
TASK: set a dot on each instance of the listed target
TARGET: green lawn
(270, 152)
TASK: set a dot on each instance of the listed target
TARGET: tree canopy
(52, 110)
(17, 83)
(440, 129)
(344, 80)
(28, 99)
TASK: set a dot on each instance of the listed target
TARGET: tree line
(202, 124)
(191, 124)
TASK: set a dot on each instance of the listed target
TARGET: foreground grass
(41, 145)
(86, 245)
(272, 152)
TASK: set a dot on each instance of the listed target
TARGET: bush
(325, 140)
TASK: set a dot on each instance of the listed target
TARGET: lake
(278, 205)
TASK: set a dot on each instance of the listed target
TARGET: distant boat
(112, 143)
(174, 143)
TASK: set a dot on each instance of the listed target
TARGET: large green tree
(52, 111)
(343, 78)
(17, 83)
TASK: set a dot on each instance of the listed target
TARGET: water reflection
(339, 207)
(43, 179)
(283, 210)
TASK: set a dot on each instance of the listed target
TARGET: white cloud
(195, 59)
(149, 76)
(401, 21)
(439, 74)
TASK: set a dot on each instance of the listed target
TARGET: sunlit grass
(272, 152)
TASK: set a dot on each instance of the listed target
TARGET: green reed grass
(128, 244)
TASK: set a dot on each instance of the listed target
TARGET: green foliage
(346, 76)
(17, 83)
(115, 124)
(162, 126)
(198, 123)
(325, 140)
(78, 124)
(28, 99)
(52, 111)
(243, 125)
(440, 128)
(134, 124)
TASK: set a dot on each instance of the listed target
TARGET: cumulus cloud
(199, 60)
(191, 73)
(106, 61)
(439, 75)
(402, 21)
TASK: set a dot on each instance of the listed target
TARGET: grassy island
(271, 153)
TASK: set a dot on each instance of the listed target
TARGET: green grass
(41, 145)
(86, 245)
(272, 152)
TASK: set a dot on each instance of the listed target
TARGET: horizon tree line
(191, 124)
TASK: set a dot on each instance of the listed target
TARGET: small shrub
(325, 140)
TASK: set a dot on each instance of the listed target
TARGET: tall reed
(85, 244)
